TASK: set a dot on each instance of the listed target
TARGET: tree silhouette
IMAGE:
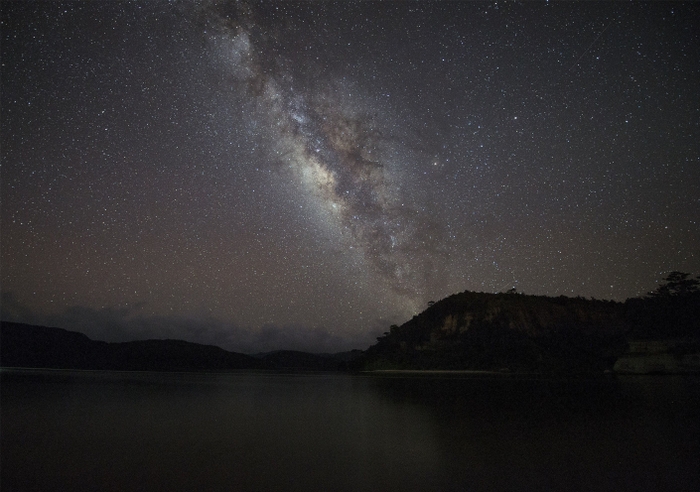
(677, 284)
(672, 311)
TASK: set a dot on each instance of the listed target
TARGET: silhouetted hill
(39, 346)
(497, 331)
(24, 345)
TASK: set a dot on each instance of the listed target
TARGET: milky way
(335, 148)
(268, 175)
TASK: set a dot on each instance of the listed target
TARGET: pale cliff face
(528, 314)
(454, 321)
(451, 325)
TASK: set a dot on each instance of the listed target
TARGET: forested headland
(527, 333)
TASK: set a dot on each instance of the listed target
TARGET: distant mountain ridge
(23, 345)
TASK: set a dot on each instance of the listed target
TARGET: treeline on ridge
(517, 332)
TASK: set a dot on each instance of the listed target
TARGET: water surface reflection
(73, 430)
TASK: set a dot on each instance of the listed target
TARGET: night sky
(302, 175)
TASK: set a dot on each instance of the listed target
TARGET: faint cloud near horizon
(112, 324)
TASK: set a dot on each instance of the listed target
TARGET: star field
(302, 175)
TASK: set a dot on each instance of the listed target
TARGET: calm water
(73, 430)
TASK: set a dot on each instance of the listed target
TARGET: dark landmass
(508, 332)
(39, 346)
(514, 332)
(525, 333)
(24, 345)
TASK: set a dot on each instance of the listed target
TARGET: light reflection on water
(73, 430)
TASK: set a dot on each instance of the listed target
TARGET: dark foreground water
(82, 431)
